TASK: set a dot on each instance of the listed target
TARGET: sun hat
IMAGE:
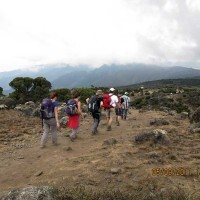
(99, 92)
(126, 93)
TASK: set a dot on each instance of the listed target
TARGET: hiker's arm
(79, 108)
(56, 116)
(87, 100)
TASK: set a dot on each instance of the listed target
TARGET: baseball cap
(112, 89)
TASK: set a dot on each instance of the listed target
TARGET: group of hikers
(115, 106)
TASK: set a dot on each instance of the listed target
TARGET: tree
(1, 91)
(27, 89)
(85, 93)
(64, 94)
(41, 87)
(22, 87)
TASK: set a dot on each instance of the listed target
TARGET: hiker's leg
(74, 133)
(110, 119)
(46, 127)
(126, 112)
(122, 113)
(93, 123)
(108, 115)
(117, 111)
(54, 130)
(96, 117)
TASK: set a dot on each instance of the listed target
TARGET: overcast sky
(97, 32)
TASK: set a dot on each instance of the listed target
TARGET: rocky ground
(108, 160)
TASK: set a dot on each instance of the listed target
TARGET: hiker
(74, 120)
(125, 105)
(94, 107)
(51, 123)
(110, 110)
(118, 108)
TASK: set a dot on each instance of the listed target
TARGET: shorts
(110, 112)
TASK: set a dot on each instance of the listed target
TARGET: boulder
(63, 121)
(157, 136)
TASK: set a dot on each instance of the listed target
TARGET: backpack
(106, 101)
(72, 108)
(46, 109)
(125, 101)
(92, 104)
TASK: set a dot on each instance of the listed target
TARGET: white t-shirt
(114, 100)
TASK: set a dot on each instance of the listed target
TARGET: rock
(39, 173)
(30, 104)
(36, 112)
(62, 111)
(3, 107)
(157, 136)
(159, 122)
(115, 170)
(32, 193)
(172, 112)
(67, 148)
(153, 155)
(63, 121)
(20, 157)
(184, 115)
(110, 141)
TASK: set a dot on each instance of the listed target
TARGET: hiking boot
(118, 124)
(109, 128)
(42, 146)
(72, 139)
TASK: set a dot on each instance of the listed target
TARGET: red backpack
(106, 101)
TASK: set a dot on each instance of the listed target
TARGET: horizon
(94, 33)
(62, 65)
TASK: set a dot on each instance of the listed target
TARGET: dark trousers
(96, 117)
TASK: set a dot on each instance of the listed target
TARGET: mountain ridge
(66, 76)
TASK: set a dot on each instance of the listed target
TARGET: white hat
(112, 89)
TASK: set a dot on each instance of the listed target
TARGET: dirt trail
(89, 162)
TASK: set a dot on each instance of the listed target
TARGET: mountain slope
(121, 75)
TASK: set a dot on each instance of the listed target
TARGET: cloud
(97, 32)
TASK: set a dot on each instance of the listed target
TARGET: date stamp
(175, 171)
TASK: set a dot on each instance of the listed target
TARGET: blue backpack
(72, 108)
(46, 109)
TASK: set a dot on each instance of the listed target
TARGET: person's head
(112, 90)
(53, 95)
(76, 95)
(126, 93)
(119, 94)
(99, 93)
